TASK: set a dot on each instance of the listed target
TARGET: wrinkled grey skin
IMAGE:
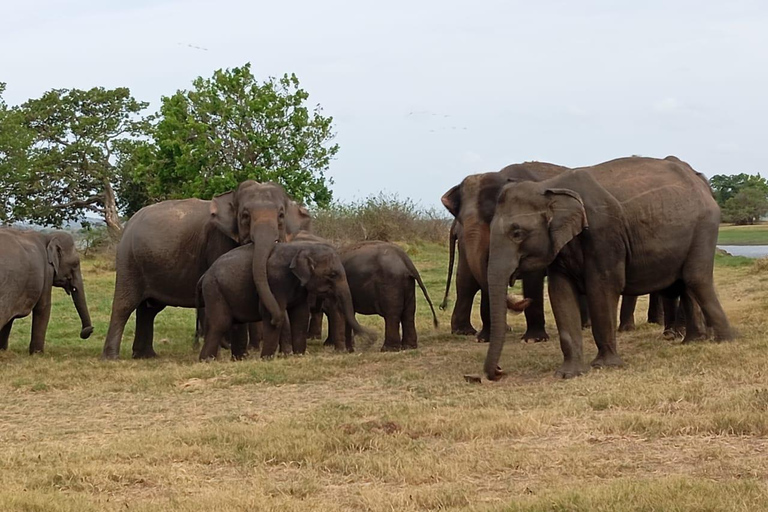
(168, 246)
(631, 225)
(33, 263)
(382, 279)
(465, 201)
(295, 271)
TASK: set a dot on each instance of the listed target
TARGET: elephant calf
(295, 270)
(382, 280)
(33, 263)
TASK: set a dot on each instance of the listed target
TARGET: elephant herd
(248, 261)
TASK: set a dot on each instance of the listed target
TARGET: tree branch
(89, 203)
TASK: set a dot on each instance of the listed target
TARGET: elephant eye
(333, 274)
(517, 233)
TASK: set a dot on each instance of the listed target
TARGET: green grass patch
(743, 235)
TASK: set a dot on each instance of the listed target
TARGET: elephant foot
(240, 357)
(484, 336)
(410, 347)
(314, 336)
(603, 360)
(110, 356)
(390, 348)
(694, 336)
(86, 332)
(467, 330)
(497, 374)
(329, 343)
(145, 354)
(627, 327)
(535, 334)
(586, 325)
(570, 369)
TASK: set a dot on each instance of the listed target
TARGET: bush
(93, 241)
(381, 217)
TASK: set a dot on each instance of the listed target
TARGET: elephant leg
(703, 292)
(238, 341)
(316, 321)
(199, 326)
(271, 340)
(349, 338)
(299, 316)
(533, 288)
(586, 323)
(603, 303)
(391, 333)
(656, 309)
(408, 319)
(5, 333)
(466, 289)
(145, 330)
(218, 325)
(671, 318)
(564, 298)
(337, 337)
(627, 313)
(124, 302)
(485, 316)
(694, 320)
(41, 314)
(255, 334)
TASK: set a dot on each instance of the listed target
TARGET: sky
(426, 92)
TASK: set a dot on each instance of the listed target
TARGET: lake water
(750, 251)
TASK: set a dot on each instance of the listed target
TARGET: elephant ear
(452, 200)
(54, 255)
(224, 214)
(302, 267)
(566, 216)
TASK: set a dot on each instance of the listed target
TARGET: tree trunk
(111, 216)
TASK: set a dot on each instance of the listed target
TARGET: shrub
(381, 217)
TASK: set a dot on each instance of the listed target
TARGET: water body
(750, 251)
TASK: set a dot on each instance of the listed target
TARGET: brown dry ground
(681, 427)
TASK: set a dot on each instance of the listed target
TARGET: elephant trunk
(264, 236)
(502, 265)
(78, 297)
(346, 306)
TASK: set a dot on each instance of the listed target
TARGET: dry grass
(680, 428)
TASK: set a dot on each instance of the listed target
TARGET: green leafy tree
(73, 160)
(230, 128)
(15, 140)
(747, 206)
(726, 186)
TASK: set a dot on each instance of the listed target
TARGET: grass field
(679, 428)
(743, 235)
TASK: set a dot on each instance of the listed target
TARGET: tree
(727, 186)
(230, 128)
(746, 206)
(14, 142)
(72, 162)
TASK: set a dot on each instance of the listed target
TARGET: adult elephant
(168, 246)
(471, 232)
(631, 225)
(33, 263)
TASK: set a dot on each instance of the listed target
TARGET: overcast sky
(425, 92)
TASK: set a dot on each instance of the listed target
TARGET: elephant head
(255, 212)
(319, 269)
(530, 225)
(297, 219)
(62, 256)
(467, 201)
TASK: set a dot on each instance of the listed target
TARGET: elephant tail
(452, 256)
(415, 274)
(199, 311)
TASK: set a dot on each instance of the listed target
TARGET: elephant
(294, 270)
(33, 263)
(382, 279)
(632, 225)
(470, 232)
(166, 248)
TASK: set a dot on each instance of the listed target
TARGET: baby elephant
(382, 279)
(32, 263)
(294, 270)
